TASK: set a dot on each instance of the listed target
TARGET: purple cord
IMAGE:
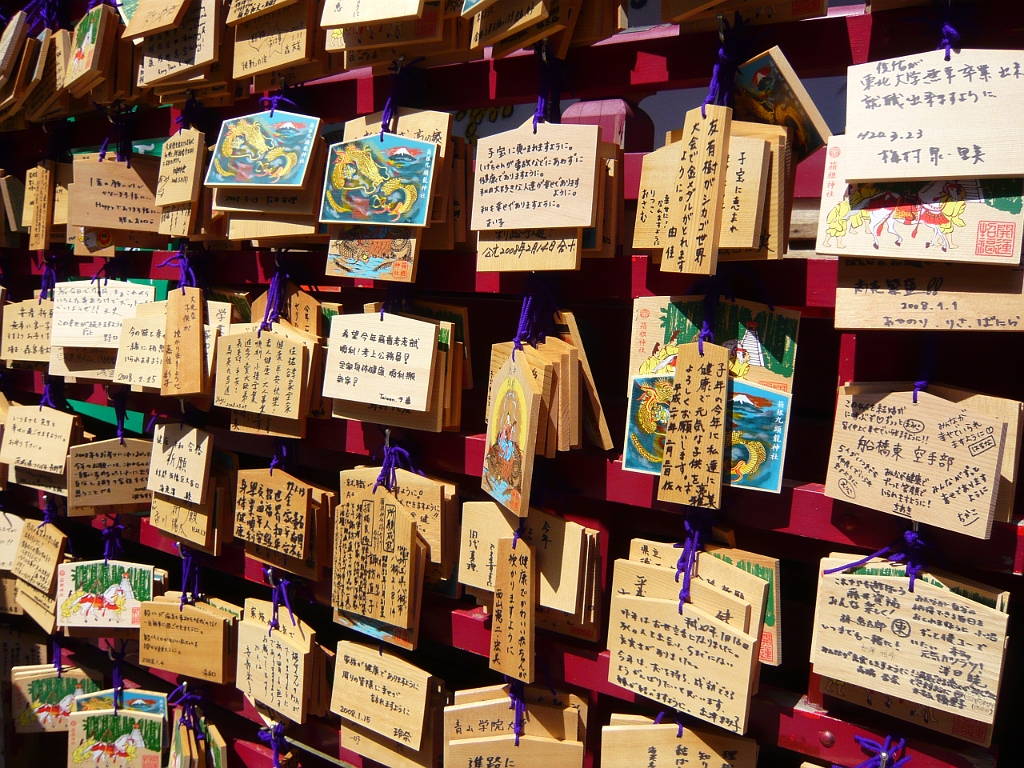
(399, 86)
(707, 332)
(40, 15)
(118, 672)
(919, 386)
(690, 546)
(190, 115)
(678, 720)
(908, 551)
(950, 39)
(536, 318)
(121, 130)
(395, 458)
(884, 754)
(113, 546)
(519, 532)
(48, 392)
(189, 577)
(726, 62)
(274, 102)
(274, 737)
(50, 512)
(49, 279)
(55, 649)
(189, 703)
(278, 594)
(120, 401)
(186, 275)
(275, 300)
(517, 698)
(280, 457)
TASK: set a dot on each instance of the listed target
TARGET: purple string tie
(114, 267)
(49, 278)
(189, 577)
(121, 129)
(117, 675)
(399, 87)
(519, 532)
(273, 102)
(186, 275)
(690, 546)
(950, 39)
(707, 327)
(280, 457)
(517, 703)
(678, 720)
(536, 318)
(919, 386)
(279, 594)
(113, 545)
(40, 15)
(189, 701)
(50, 512)
(395, 458)
(274, 738)
(723, 76)
(549, 86)
(883, 755)
(49, 391)
(275, 300)
(120, 401)
(190, 115)
(56, 649)
(908, 551)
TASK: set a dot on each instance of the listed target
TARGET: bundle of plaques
(279, 665)
(568, 563)
(725, 607)
(389, 708)
(548, 727)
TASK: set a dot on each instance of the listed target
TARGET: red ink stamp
(400, 270)
(767, 653)
(995, 238)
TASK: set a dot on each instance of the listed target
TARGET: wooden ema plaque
(695, 438)
(37, 438)
(374, 561)
(746, 182)
(10, 535)
(940, 646)
(85, 317)
(261, 372)
(515, 599)
(529, 250)
(961, 727)
(110, 195)
(140, 353)
(919, 117)
(187, 49)
(928, 295)
(932, 461)
(180, 466)
(526, 180)
(27, 327)
(506, 18)
(272, 510)
(705, 153)
(184, 367)
(154, 16)
(690, 662)
(347, 13)
(42, 207)
(186, 640)
(381, 360)
(107, 473)
(181, 165)
(531, 750)
(381, 692)
(511, 436)
(241, 10)
(273, 669)
(661, 746)
(971, 220)
(40, 551)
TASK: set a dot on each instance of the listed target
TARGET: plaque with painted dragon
(382, 180)
(267, 149)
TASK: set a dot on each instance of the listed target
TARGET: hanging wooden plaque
(180, 465)
(694, 463)
(919, 117)
(37, 437)
(932, 461)
(515, 600)
(261, 372)
(348, 13)
(526, 180)
(107, 473)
